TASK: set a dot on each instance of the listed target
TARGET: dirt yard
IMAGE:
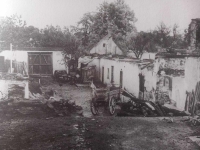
(30, 124)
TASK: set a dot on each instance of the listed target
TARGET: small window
(108, 74)
(104, 45)
(168, 82)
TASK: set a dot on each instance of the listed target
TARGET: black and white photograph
(99, 74)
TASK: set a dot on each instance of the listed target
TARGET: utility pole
(11, 58)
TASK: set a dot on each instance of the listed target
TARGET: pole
(11, 58)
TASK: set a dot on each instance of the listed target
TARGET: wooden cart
(107, 96)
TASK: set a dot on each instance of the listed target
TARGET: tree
(116, 18)
(14, 30)
(11, 29)
(140, 42)
(168, 38)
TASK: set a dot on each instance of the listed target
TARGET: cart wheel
(112, 104)
(93, 108)
(144, 111)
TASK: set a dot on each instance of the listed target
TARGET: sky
(149, 13)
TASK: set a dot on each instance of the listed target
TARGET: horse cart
(106, 96)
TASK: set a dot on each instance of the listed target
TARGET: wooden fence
(19, 67)
(192, 103)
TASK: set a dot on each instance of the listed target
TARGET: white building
(38, 61)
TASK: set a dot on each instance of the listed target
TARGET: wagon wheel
(112, 104)
(144, 111)
(93, 107)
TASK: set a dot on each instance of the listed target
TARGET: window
(108, 74)
(112, 74)
(104, 45)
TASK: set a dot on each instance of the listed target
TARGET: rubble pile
(193, 120)
(13, 76)
(139, 107)
(64, 107)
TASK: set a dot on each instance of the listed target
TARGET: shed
(38, 61)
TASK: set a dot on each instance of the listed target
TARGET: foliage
(168, 38)
(142, 41)
(116, 18)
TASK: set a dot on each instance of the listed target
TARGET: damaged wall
(150, 78)
(171, 80)
(181, 74)
(13, 88)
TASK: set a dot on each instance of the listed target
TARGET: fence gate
(40, 63)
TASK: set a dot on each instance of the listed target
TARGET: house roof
(107, 37)
(39, 49)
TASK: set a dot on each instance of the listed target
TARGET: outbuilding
(35, 61)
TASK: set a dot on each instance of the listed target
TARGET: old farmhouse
(169, 77)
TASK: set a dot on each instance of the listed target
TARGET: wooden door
(40, 63)
(121, 79)
(103, 74)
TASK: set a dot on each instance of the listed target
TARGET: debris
(195, 120)
(195, 139)
(75, 126)
(34, 87)
(49, 118)
(64, 107)
(168, 119)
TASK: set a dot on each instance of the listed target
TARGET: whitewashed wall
(145, 55)
(130, 74)
(179, 92)
(110, 47)
(22, 56)
(192, 73)
(181, 84)
(150, 79)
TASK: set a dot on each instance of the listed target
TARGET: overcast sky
(149, 13)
